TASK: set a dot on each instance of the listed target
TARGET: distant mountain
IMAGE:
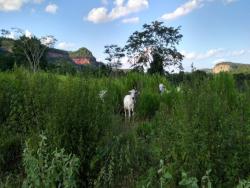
(231, 67)
(80, 57)
(83, 57)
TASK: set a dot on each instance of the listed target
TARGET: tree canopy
(155, 38)
(30, 47)
(114, 55)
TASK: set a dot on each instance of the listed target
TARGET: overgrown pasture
(55, 131)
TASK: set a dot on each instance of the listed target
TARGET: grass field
(55, 131)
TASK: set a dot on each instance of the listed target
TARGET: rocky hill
(231, 67)
(80, 57)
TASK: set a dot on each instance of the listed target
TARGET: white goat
(161, 88)
(102, 94)
(129, 103)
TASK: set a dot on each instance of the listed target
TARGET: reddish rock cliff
(80, 57)
(81, 61)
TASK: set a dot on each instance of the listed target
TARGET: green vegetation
(82, 52)
(114, 55)
(155, 45)
(54, 60)
(7, 44)
(236, 68)
(56, 132)
(32, 54)
(240, 68)
(155, 42)
(44, 169)
(31, 49)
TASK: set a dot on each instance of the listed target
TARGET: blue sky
(213, 30)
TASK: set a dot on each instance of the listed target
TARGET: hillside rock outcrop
(81, 61)
(221, 67)
(80, 57)
(231, 67)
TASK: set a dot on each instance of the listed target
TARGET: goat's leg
(129, 113)
(133, 113)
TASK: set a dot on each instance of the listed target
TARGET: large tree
(155, 45)
(31, 47)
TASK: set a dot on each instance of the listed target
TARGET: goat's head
(134, 93)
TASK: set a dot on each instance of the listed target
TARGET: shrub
(148, 104)
(45, 169)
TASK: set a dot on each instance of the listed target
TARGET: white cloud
(48, 40)
(11, 5)
(14, 35)
(11, 35)
(121, 9)
(51, 8)
(28, 34)
(238, 53)
(214, 53)
(200, 56)
(230, 1)
(219, 61)
(125, 63)
(14, 5)
(190, 6)
(118, 2)
(65, 46)
(131, 20)
(98, 15)
(183, 9)
(99, 59)
(17, 33)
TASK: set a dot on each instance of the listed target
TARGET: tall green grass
(172, 141)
